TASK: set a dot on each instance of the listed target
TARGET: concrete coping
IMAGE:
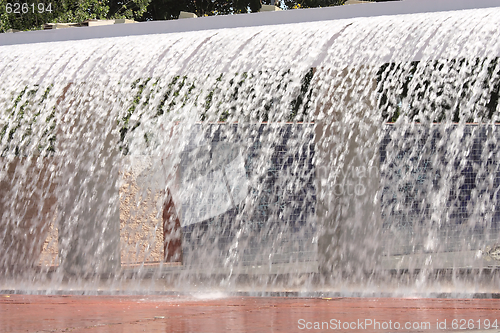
(246, 20)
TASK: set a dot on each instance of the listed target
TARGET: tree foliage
(130, 9)
(63, 11)
(170, 9)
(292, 4)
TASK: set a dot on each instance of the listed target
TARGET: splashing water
(353, 156)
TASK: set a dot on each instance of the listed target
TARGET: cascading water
(354, 155)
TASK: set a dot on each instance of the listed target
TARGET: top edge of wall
(245, 20)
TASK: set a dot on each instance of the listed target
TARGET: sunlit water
(356, 156)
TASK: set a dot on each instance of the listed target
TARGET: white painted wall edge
(245, 20)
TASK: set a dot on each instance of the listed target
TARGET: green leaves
(128, 9)
(67, 11)
(290, 4)
(28, 126)
(455, 90)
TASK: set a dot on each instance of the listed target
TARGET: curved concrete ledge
(245, 20)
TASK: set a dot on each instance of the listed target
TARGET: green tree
(292, 4)
(130, 9)
(38, 12)
(170, 9)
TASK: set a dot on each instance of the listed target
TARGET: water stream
(354, 156)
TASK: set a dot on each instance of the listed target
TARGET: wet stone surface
(34, 313)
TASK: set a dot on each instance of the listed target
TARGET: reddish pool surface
(34, 313)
